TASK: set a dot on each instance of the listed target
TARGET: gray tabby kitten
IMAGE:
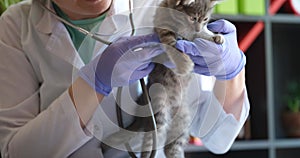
(176, 19)
(167, 88)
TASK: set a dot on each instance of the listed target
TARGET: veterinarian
(57, 99)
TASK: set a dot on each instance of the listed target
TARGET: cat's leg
(184, 65)
(208, 35)
(161, 126)
(147, 143)
(162, 117)
(178, 133)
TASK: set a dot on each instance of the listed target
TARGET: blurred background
(268, 32)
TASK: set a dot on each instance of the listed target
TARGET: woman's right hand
(123, 62)
(224, 61)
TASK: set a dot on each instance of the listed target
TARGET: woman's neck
(83, 9)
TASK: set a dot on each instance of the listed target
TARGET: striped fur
(168, 88)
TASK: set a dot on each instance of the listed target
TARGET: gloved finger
(147, 51)
(221, 26)
(138, 41)
(199, 47)
(141, 72)
(150, 38)
(202, 70)
(164, 60)
(187, 47)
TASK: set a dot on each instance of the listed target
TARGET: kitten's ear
(184, 2)
(214, 2)
(188, 2)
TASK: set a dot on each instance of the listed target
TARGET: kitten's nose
(197, 28)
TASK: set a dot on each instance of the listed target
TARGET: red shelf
(254, 32)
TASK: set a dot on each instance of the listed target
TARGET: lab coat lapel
(65, 50)
(59, 42)
(107, 27)
(58, 34)
(113, 25)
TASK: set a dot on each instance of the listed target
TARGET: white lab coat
(38, 62)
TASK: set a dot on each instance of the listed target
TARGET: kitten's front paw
(184, 66)
(219, 39)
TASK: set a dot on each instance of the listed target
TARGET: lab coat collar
(59, 42)
(119, 6)
(111, 24)
(48, 24)
(44, 21)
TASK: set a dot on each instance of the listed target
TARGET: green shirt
(86, 50)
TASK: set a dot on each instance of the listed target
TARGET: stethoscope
(97, 37)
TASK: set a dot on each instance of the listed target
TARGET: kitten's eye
(205, 19)
(193, 18)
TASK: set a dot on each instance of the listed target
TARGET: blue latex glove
(224, 61)
(122, 63)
